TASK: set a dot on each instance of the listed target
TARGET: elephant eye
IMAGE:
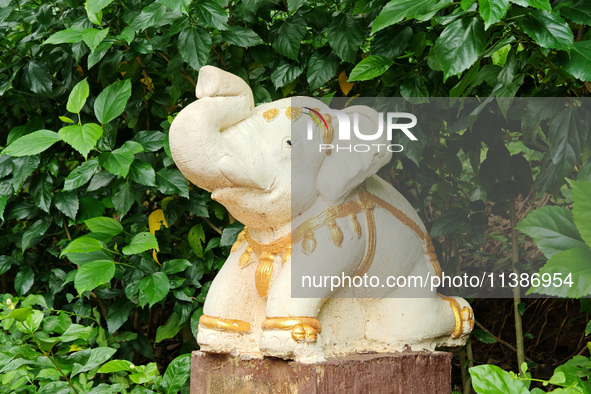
(288, 143)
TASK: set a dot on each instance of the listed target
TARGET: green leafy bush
(97, 221)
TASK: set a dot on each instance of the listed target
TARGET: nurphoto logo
(344, 130)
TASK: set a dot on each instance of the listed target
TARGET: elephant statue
(307, 207)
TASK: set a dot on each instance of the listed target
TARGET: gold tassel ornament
(262, 276)
(335, 232)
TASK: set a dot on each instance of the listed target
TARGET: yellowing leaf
(344, 84)
(155, 221)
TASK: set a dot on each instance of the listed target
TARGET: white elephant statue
(331, 216)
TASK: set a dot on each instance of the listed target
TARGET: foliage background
(88, 189)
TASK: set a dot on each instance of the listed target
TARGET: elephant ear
(344, 169)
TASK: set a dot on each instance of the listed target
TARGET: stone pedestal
(404, 373)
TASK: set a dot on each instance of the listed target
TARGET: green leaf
(196, 238)
(460, 45)
(81, 174)
(140, 243)
(391, 42)
(487, 379)
(68, 36)
(345, 36)
(230, 234)
(321, 68)
(3, 202)
(145, 374)
(83, 245)
(370, 67)
(567, 135)
(32, 144)
(142, 172)
(151, 141)
(93, 7)
(177, 373)
(97, 356)
(484, 336)
(172, 326)
(99, 53)
(286, 73)
(241, 37)
(78, 96)
(175, 266)
(548, 29)
(577, 61)
(582, 208)
(150, 16)
(93, 37)
(552, 229)
(398, 10)
(32, 322)
(104, 225)
(38, 77)
(34, 234)
(574, 262)
(211, 14)
(492, 11)
(23, 281)
(41, 191)
(117, 162)
(181, 6)
(118, 313)
(111, 102)
(155, 287)
(540, 4)
(194, 45)
(94, 274)
(579, 13)
(288, 37)
(67, 203)
(449, 221)
(116, 366)
(20, 314)
(76, 331)
(82, 138)
(124, 198)
(171, 181)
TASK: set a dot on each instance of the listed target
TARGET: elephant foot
(218, 340)
(463, 317)
(276, 343)
(295, 338)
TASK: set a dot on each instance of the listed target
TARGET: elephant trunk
(197, 141)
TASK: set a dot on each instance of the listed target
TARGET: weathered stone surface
(404, 373)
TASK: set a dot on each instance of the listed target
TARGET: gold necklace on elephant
(305, 233)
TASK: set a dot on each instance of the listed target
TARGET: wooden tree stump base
(404, 373)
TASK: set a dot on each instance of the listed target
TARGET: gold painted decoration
(459, 324)
(303, 332)
(293, 113)
(264, 271)
(216, 323)
(288, 323)
(286, 255)
(305, 234)
(309, 244)
(335, 232)
(356, 225)
(239, 240)
(432, 255)
(245, 257)
(270, 114)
